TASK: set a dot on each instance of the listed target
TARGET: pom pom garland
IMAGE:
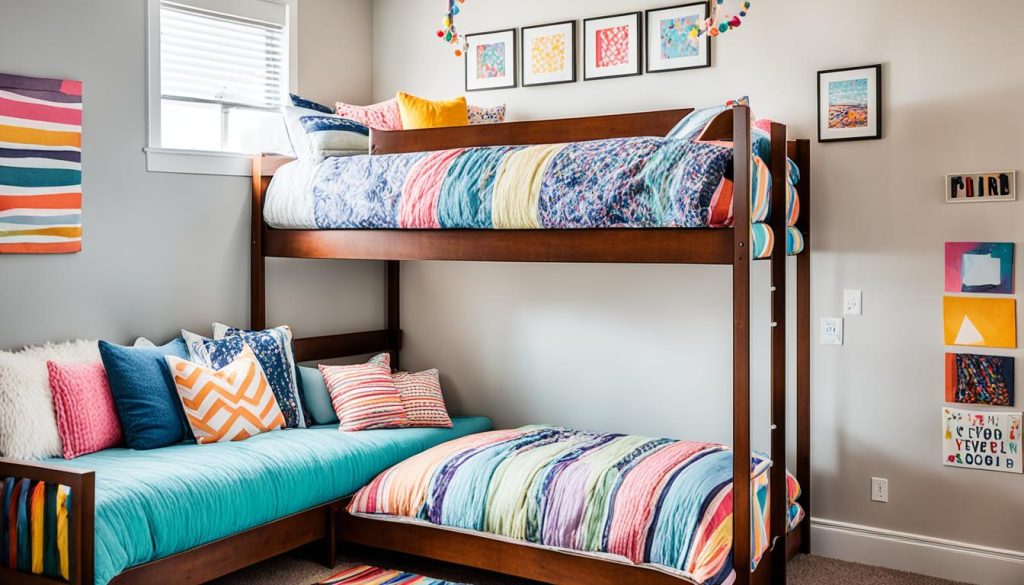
(448, 32)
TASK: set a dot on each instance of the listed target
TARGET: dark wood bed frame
(728, 247)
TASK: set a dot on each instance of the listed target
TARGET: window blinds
(216, 58)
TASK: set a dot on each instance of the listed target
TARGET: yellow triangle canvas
(980, 322)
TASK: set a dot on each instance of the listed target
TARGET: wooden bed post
(800, 152)
(741, 346)
(778, 501)
(394, 324)
(257, 260)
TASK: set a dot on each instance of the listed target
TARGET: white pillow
(28, 422)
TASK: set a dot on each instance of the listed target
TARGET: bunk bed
(331, 523)
(724, 246)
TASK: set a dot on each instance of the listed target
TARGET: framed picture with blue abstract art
(850, 104)
(491, 60)
(672, 44)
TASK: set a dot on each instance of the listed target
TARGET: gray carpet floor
(302, 568)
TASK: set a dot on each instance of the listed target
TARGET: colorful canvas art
(977, 267)
(613, 46)
(981, 440)
(490, 61)
(848, 103)
(980, 379)
(40, 165)
(980, 322)
(548, 54)
(676, 39)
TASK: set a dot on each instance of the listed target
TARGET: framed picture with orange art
(850, 104)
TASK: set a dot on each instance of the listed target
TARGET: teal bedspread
(153, 504)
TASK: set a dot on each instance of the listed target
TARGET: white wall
(646, 349)
(164, 251)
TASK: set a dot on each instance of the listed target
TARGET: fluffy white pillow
(28, 422)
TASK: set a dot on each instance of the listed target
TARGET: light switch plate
(852, 302)
(831, 331)
(880, 490)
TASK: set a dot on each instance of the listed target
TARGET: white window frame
(201, 162)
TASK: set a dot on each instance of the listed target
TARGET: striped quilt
(40, 165)
(644, 182)
(656, 502)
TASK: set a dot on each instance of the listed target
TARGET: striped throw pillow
(230, 404)
(422, 399)
(365, 396)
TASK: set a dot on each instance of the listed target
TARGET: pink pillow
(86, 418)
(422, 399)
(382, 116)
(364, 396)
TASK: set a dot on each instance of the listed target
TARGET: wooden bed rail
(531, 132)
(80, 524)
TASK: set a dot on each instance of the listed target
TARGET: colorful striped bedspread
(645, 182)
(658, 502)
(34, 521)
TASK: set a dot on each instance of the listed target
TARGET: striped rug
(40, 165)
(366, 575)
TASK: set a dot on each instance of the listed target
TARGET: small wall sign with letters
(981, 187)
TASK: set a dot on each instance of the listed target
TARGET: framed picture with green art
(491, 60)
(850, 104)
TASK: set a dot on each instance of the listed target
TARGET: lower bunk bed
(564, 507)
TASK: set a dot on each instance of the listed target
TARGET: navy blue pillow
(301, 102)
(145, 396)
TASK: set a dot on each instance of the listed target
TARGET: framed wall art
(671, 44)
(549, 54)
(491, 60)
(612, 46)
(850, 104)
(40, 165)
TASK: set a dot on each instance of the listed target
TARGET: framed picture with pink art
(850, 104)
(491, 60)
(612, 46)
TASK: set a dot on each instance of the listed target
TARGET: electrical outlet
(831, 331)
(880, 490)
(852, 302)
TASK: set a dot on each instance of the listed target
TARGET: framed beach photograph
(491, 60)
(612, 46)
(549, 54)
(670, 44)
(850, 104)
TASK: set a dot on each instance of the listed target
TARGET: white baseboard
(936, 557)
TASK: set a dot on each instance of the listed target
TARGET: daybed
(161, 516)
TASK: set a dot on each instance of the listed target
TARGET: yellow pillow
(420, 113)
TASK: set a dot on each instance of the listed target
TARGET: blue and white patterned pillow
(273, 349)
(317, 135)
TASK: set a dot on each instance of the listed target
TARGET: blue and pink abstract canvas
(979, 267)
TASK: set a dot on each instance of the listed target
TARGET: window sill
(198, 162)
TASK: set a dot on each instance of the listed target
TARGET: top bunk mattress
(643, 182)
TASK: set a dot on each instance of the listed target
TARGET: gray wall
(166, 251)
(646, 349)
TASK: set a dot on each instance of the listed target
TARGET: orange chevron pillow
(230, 404)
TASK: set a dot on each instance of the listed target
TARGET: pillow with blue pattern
(317, 133)
(273, 349)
